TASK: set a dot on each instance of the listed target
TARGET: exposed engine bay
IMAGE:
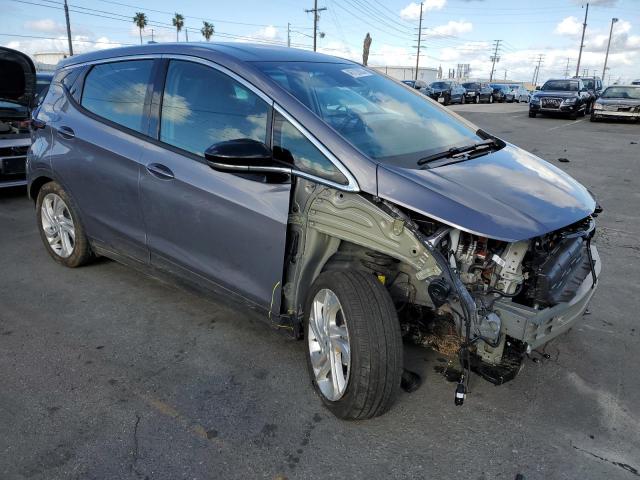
(484, 302)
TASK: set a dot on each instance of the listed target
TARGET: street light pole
(66, 15)
(606, 57)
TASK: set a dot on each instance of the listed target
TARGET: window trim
(352, 183)
(351, 186)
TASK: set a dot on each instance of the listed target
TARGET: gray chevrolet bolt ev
(341, 204)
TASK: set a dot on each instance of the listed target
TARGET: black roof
(244, 52)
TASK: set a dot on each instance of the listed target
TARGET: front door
(221, 229)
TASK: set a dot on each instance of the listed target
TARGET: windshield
(622, 92)
(440, 85)
(561, 86)
(470, 86)
(381, 118)
(590, 84)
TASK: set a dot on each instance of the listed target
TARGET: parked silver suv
(336, 202)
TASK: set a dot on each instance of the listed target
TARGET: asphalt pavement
(106, 373)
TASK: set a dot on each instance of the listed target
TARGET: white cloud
(412, 11)
(453, 28)
(569, 26)
(45, 25)
(267, 33)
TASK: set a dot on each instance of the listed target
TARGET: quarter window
(202, 106)
(116, 91)
(291, 146)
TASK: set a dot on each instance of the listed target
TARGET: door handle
(160, 171)
(66, 132)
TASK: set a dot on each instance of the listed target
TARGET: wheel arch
(36, 184)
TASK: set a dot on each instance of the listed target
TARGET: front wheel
(354, 345)
(532, 114)
(491, 99)
(462, 100)
(447, 100)
(593, 118)
(478, 98)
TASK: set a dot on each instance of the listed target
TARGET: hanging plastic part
(461, 392)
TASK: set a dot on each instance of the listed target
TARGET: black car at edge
(566, 96)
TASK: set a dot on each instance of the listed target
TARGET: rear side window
(202, 106)
(116, 91)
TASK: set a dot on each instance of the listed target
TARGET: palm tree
(178, 22)
(141, 21)
(207, 30)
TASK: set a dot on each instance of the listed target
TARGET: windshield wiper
(453, 151)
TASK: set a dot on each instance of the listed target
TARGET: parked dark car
(321, 194)
(477, 92)
(500, 92)
(594, 87)
(568, 97)
(446, 92)
(620, 102)
(419, 85)
(17, 96)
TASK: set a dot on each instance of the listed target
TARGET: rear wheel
(60, 228)
(354, 345)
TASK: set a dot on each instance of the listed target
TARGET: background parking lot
(106, 373)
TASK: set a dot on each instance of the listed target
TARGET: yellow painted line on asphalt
(566, 125)
(169, 411)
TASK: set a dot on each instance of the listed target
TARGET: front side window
(381, 118)
(292, 147)
(116, 91)
(202, 106)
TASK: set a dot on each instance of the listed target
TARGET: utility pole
(537, 70)
(66, 14)
(419, 39)
(505, 73)
(584, 28)
(186, 34)
(316, 17)
(152, 35)
(566, 70)
(606, 57)
(495, 58)
(288, 35)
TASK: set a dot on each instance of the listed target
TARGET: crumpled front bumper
(537, 327)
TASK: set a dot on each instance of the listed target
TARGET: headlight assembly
(569, 101)
(598, 106)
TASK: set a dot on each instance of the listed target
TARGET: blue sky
(457, 31)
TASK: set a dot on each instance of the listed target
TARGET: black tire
(532, 114)
(447, 100)
(81, 253)
(573, 115)
(477, 99)
(490, 98)
(462, 100)
(375, 344)
(593, 118)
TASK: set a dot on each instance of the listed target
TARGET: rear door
(97, 147)
(223, 230)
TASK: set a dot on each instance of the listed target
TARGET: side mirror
(243, 155)
(537, 87)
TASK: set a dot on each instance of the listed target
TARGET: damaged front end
(482, 301)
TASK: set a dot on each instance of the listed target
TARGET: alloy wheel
(329, 346)
(58, 225)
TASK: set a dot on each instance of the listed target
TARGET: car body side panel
(217, 225)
